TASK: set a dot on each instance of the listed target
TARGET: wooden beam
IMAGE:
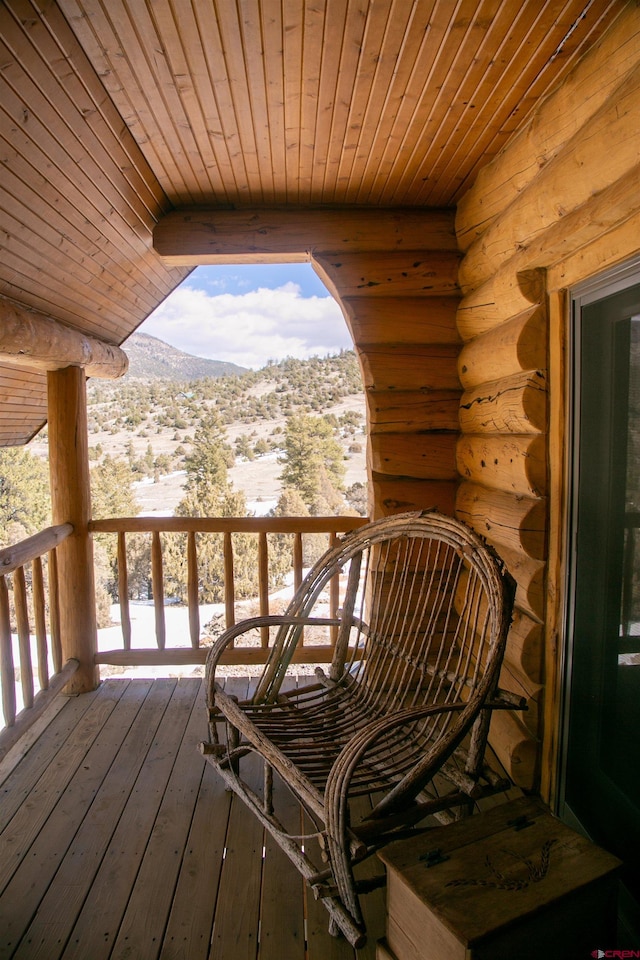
(209, 235)
(510, 522)
(599, 158)
(17, 555)
(402, 319)
(530, 576)
(515, 747)
(30, 339)
(508, 462)
(400, 455)
(227, 524)
(182, 656)
(404, 366)
(525, 646)
(396, 495)
(507, 294)
(401, 273)
(412, 411)
(533, 693)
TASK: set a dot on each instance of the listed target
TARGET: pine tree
(112, 496)
(209, 493)
(111, 493)
(25, 505)
(313, 462)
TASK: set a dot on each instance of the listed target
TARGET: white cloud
(250, 328)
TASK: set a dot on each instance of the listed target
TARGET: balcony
(116, 839)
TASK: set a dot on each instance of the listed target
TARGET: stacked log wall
(400, 306)
(559, 204)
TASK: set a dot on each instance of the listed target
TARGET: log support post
(71, 503)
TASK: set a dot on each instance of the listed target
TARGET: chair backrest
(426, 613)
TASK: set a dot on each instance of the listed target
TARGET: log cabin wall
(400, 307)
(559, 204)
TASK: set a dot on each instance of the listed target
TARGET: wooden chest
(513, 882)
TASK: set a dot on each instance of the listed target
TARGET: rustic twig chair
(407, 698)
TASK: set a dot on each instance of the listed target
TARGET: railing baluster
(334, 595)
(54, 612)
(13, 560)
(40, 623)
(229, 582)
(7, 670)
(123, 590)
(192, 590)
(263, 584)
(297, 560)
(297, 569)
(157, 585)
(24, 636)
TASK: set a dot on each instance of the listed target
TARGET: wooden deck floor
(118, 841)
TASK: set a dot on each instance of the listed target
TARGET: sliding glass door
(601, 775)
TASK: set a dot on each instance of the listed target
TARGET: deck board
(282, 891)
(149, 905)
(71, 844)
(96, 930)
(118, 840)
(282, 887)
(188, 933)
(236, 924)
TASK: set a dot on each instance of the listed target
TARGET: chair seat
(312, 731)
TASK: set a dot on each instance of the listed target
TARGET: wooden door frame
(563, 306)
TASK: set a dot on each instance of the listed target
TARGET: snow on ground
(261, 508)
(143, 636)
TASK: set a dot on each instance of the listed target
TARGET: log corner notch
(31, 339)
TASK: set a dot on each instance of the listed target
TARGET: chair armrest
(375, 731)
(417, 773)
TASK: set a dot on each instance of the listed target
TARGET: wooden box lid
(496, 867)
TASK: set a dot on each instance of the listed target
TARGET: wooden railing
(14, 563)
(228, 527)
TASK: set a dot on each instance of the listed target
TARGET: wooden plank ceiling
(112, 112)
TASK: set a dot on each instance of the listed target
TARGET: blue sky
(250, 314)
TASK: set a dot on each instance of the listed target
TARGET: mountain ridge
(152, 359)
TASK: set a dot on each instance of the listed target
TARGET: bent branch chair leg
(268, 787)
(339, 917)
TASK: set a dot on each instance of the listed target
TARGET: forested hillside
(148, 425)
(288, 439)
